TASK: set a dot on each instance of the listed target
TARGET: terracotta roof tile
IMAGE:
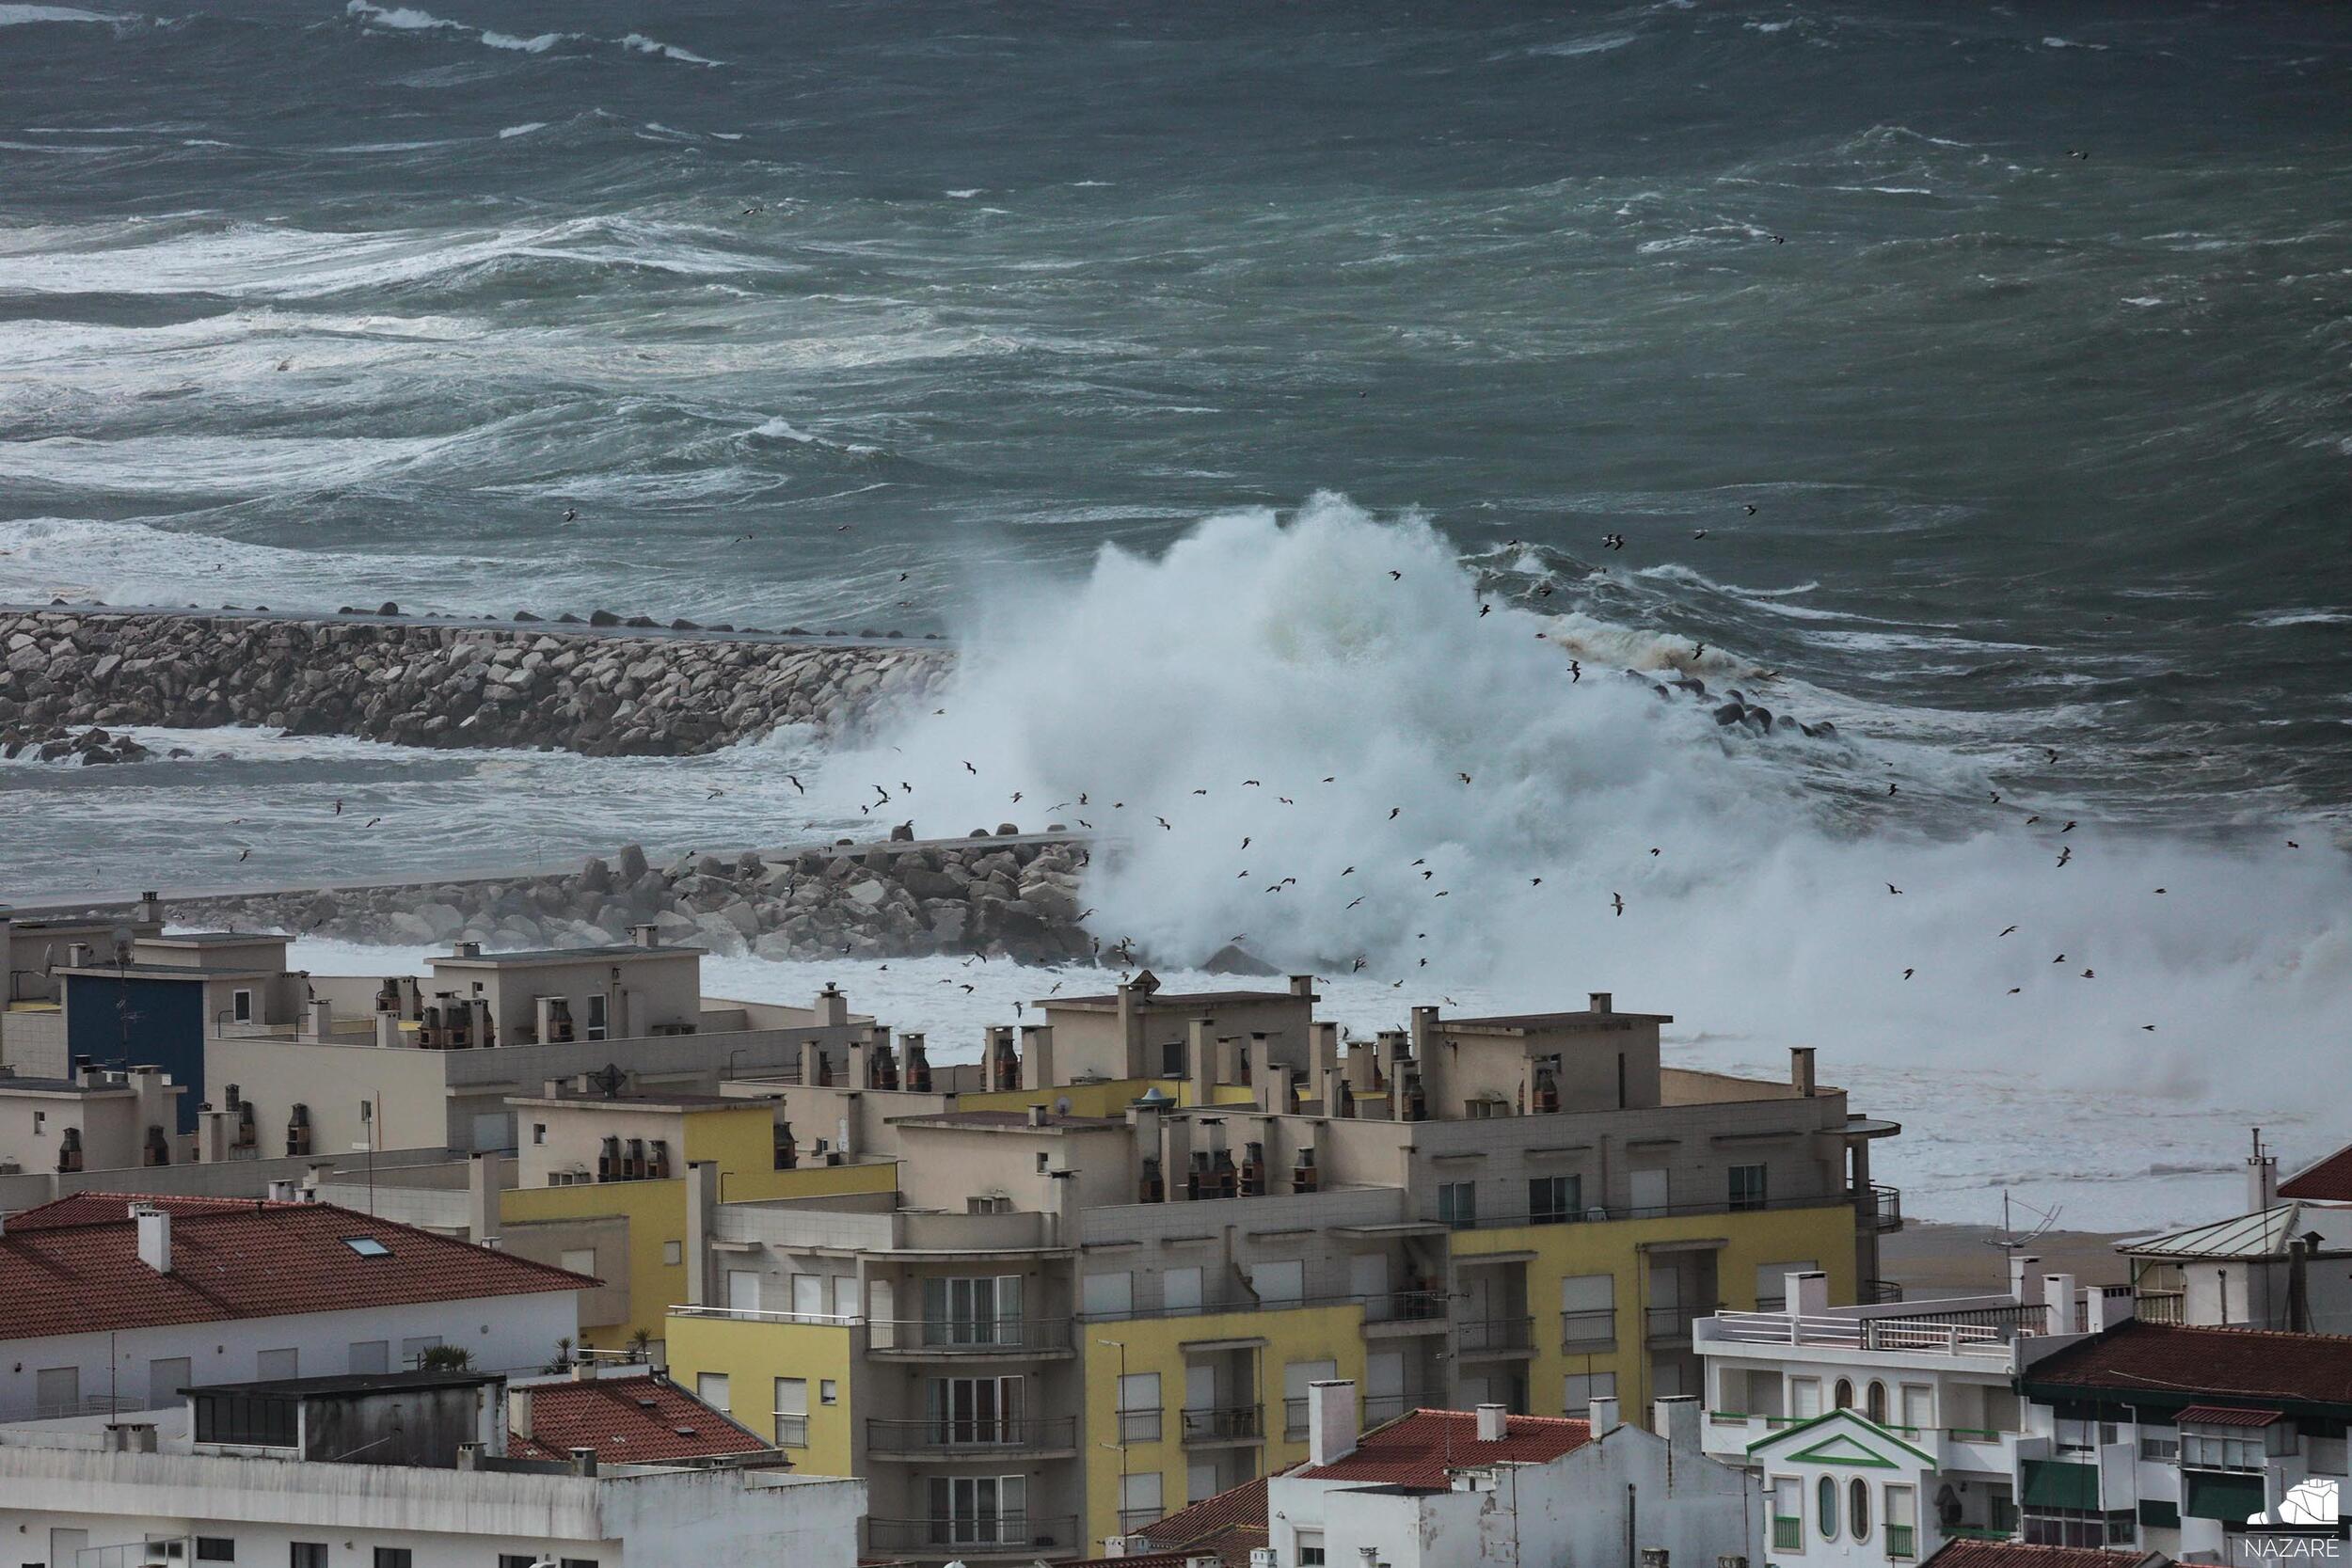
(2327, 1182)
(1417, 1449)
(643, 1419)
(2017, 1554)
(1240, 1505)
(2208, 1363)
(68, 1268)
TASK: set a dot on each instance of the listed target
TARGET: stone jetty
(599, 690)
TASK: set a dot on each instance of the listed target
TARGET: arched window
(1858, 1510)
(1844, 1393)
(1875, 1402)
(1827, 1493)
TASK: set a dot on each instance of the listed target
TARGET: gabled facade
(1843, 1491)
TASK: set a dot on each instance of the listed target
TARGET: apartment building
(1122, 1250)
(32, 1022)
(96, 1118)
(1880, 1431)
(2282, 1264)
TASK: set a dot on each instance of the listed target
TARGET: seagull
(1907, 973)
(2292, 845)
(1653, 851)
(2059, 959)
(1397, 577)
(1392, 811)
(969, 987)
(339, 808)
(1357, 968)
(1997, 797)
(2070, 826)
(1698, 533)
(2051, 750)
(1254, 783)
(1576, 672)
(1464, 777)
(714, 794)
(1199, 792)
(1749, 510)
(1484, 610)
(1892, 888)
(2160, 890)
(571, 514)
(2065, 854)
(2014, 990)
(2148, 1027)
(373, 820)
(794, 780)
(243, 854)
(1016, 796)
(1534, 881)
(1617, 900)
(2010, 931)
(1352, 903)
(1893, 790)
(1245, 841)
(969, 769)
(1163, 822)
(1349, 872)
(2087, 975)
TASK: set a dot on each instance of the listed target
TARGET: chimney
(584, 1462)
(1272, 1089)
(155, 1237)
(2058, 1296)
(1036, 1056)
(1200, 1060)
(1037, 1116)
(2299, 1283)
(77, 954)
(1675, 1418)
(518, 1413)
(833, 1008)
(1601, 1412)
(322, 1020)
(469, 950)
(1332, 1421)
(1302, 985)
(212, 1136)
(1424, 1034)
(701, 1199)
(1598, 1000)
(1801, 1071)
(282, 1190)
(387, 1030)
(646, 935)
(2025, 1286)
(150, 909)
(2262, 1178)
(485, 1173)
(1494, 1422)
(1806, 1295)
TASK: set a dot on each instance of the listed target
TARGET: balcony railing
(1495, 1336)
(970, 1335)
(1669, 1323)
(1853, 1333)
(1233, 1423)
(138, 1554)
(1132, 1519)
(1787, 1534)
(1903, 1543)
(1383, 1407)
(1387, 1306)
(1406, 1307)
(94, 1405)
(1879, 1208)
(1139, 1425)
(1594, 1213)
(1004, 1533)
(980, 1434)
(2161, 1306)
(1592, 1328)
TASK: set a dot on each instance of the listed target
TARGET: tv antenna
(2008, 1241)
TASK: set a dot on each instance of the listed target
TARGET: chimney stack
(1332, 1421)
(1675, 1418)
(833, 1008)
(1600, 1002)
(155, 1237)
(1601, 1414)
(1302, 985)
(2058, 1297)
(1806, 1295)
(1037, 1116)
(1494, 1422)
(518, 1412)
(151, 910)
(2262, 1178)
(1801, 1071)
(2025, 1286)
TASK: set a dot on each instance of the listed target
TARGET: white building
(1880, 1433)
(118, 1304)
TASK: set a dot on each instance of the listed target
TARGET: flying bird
(1892, 888)
(2010, 931)
(794, 780)
(1392, 811)
(1397, 577)
(1907, 973)
(1749, 510)
(969, 769)
(1617, 900)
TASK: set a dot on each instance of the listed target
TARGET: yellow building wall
(1109, 1097)
(1825, 1234)
(753, 1355)
(1156, 1345)
(656, 1212)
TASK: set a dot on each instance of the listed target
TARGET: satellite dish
(1062, 1106)
(122, 936)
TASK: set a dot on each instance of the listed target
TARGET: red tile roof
(643, 1419)
(2328, 1182)
(72, 1267)
(1418, 1449)
(1225, 1527)
(2017, 1554)
(2207, 1363)
(2224, 1416)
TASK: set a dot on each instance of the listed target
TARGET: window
(2080, 1434)
(518, 1559)
(2326, 1454)
(981, 1312)
(595, 1015)
(1282, 1284)
(1805, 1397)
(1902, 1524)
(1109, 1295)
(57, 1392)
(1138, 1499)
(1588, 1310)
(828, 1392)
(1201, 1482)
(367, 1247)
(579, 1260)
(980, 1510)
(1747, 1187)
(1579, 1390)
(306, 1554)
(1858, 1508)
(2161, 1444)
(1787, 1513)
(412, 1350)
(1180, 1290)
(712, 1389)
(1457, 1204)
(215, 1548)
(973, 1410)
(792, 1413)
(1553, 1198)
(1171, 1058)
(241, 1006)
(1825, 1500)
(1920, 1405)
(166, 1377)
(245, 1419)
(273, 1364)
(1310, 1548)
(391, 1557)
(1874, 1401)
(1844, 1393)
(370, 1355)
(1139, 1409)
(538, 1132)
(1650, 1192)
(674, 1253)
(744, 1290)
(2214, 1451)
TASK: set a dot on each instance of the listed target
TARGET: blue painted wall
(166, 1029)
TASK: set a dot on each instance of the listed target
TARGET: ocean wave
(508, 133)
(1599, 43)
(22, 15)
(537, 45)
(644, 45)
(407, 18)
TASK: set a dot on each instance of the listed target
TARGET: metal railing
(757, 1315)
(1293, 1421)
(1386, 1306)
(1888, 1334)
(975, 1531)
(1878, 1207)
(137, 1554)
(1383, 1407)
(1878, 1292)
(1669, 1323)
(1399, 1306)
(1140, 1425)
(1495, 1336)
(884, 1435)
(792, 1431)
(969, 1336)
(1596, 1213)
(1787, 1534)
(92, 1404)
(1591, 1328)
(1903, 1543)
(1231, 1423)
(1132, 1520)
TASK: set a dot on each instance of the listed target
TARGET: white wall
(502, 1331)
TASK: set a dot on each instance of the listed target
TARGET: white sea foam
(400, 18)
(539, 44)
(644, 45)
(2070, 43)
(1598, 44)
(20, 16)
(1286, 653)
(523, 130)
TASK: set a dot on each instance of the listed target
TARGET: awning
(2053, 1484)
(2222, 1415)
(2232, 1500)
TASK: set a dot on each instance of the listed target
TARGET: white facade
(1568, 1513)
(59, 1500)
(142, 1368)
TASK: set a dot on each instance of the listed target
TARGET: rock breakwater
(440, 684)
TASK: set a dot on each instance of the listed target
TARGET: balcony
(980, 1437)
(1234, 1423)
(1787, 1534)
(2161, 1306)
(792, 1431)
(1902, 1543)
(1406, 1311)
(1594, 1213)
(1668, 1325)
(1877, 1208)
(972, 1535)
(928, 1338)
(1139, 1425)
(1383, 1407)
(1496, 1337)
(1590, 1330)
(1132, 1520)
